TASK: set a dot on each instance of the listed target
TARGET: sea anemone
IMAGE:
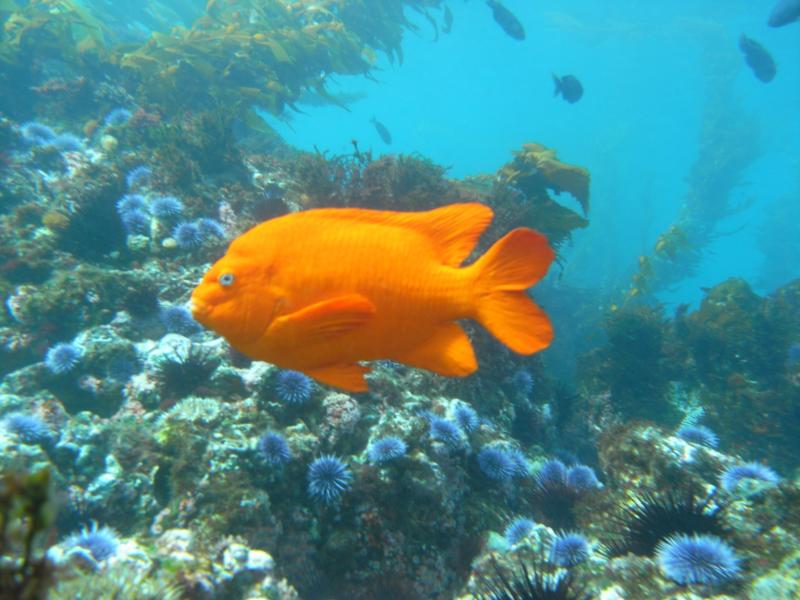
(386, 449)
(37, 133)
(138, 176)
(733, 476)
(210, 229)
(63, 358)
(522, 382)
(293, 387)
(187, 235)
(274, 449)
(165, 207)
(131, 202)
(328, 477)
(496, 464)
(101, 542)
(118, 116)
(466, 417)
(445, 431)
(67, 142)
(698, 434)
(533, 584)
(569, 549)
(581, 477)
(29, 429)
(701, 559)
(518, 530)
(651, 519)
(178, 319)
(135, 221)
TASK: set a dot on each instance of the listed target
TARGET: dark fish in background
(569, 87)
(506, 19)
(382, 131)
(448, 20)
(757, 58)
(785, 12)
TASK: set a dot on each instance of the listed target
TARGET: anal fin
(349, 377)
(447, 352)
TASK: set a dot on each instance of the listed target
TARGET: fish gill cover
(652, 446)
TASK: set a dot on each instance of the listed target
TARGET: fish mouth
(199, 309)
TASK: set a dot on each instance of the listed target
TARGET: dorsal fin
(453, 229)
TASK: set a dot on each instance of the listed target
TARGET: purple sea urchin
(698, 434)
(581, 477)
(135, 221)
(386, 449)
(178, 319)
(735, 475)
(101, 542)
(496, 464)
(522, 382)
(187, 235)
(466, 417)
(700, 559)
(165, 207)
(274, 449)
(445, 431)
(328, 477)
(63, 358)
(552, 473)
(293, 387)
(29, 429)
(518, 530)
(210, 229)
(138, 177)
(131, 202)
(569, 549)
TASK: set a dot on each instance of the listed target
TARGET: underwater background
(650, 452)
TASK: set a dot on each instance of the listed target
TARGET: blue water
(468, 99)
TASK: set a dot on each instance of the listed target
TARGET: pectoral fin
(326, 319)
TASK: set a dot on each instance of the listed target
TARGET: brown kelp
(728, 145)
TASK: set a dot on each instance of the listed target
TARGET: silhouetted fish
(506, 19)
(757, 58)
(448, 20)
(569, 87)
(382, 131)
(785, 12)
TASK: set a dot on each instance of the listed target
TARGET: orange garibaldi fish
(321, 290)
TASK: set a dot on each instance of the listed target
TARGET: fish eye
(226, 279)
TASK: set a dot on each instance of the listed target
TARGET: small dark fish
(569, 87)
(785, 12)
(448, 20)
(506, 19)
(382, 131)
(757, 58)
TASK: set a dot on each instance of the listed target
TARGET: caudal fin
(557, 83)
(508, 268)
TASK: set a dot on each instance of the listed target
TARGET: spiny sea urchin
(650, 519)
